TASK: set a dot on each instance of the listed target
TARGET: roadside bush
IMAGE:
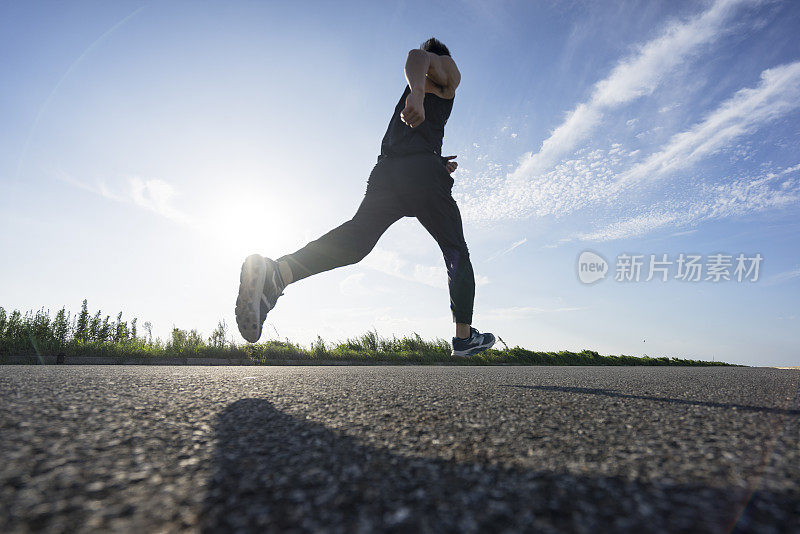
(84, 334)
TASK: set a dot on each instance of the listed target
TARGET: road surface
(402, 449)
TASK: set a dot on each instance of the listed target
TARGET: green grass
(36, 333)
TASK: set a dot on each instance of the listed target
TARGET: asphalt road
(402, 449)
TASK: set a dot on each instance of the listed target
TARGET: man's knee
(358, 240)
(456, 258)
(360, 252)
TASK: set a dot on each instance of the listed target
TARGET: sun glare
(241, 224)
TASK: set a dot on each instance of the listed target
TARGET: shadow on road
(276, 472)
(609, 393)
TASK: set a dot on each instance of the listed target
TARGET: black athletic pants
(409, 186)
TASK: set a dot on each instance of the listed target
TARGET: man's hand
(450, 164)
(414, 112)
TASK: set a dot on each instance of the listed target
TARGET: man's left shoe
(260, 285)
(475, 343)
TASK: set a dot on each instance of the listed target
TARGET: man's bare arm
(422, 65)
(417, 65)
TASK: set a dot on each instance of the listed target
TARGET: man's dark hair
(435, 46)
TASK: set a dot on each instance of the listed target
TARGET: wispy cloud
(777, 94)
(784, 276)
(601, 178)
(631, 227)
(583, 180)
(633, 77)
(567, 174)
(505, 251)
(748, 195)
(150, 194)
(157, 196)
(99, 187)
(389, 262)
(685, 232)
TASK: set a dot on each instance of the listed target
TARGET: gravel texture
(400, 449)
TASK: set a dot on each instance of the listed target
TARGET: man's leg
(439, 214)
(348, 243)
(263, 280)
(441, 217)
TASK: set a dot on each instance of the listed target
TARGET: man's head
(435, 46)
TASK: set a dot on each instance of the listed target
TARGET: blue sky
(146, 148)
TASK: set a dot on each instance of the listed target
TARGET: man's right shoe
(475, 343)
(260, 285)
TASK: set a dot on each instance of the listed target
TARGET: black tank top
(402, 140)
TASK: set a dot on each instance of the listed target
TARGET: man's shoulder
(444, 73)
(453, 74)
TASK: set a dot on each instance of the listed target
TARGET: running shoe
(260, 285)
(475, 343)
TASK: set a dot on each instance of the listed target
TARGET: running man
(410, 179)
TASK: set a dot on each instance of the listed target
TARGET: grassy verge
(35, 333)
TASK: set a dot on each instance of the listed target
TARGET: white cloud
(505, 251)
(583, 180)
(157, 196)
(390, 262)
(98, 188)
(777, 94)
(634, 226)
(635, 76)
(784, 276)
(430, 275)
(751, 195)
(606, 178)
(685, 232)
(748, 195)
(546, 183)
(152, 194)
